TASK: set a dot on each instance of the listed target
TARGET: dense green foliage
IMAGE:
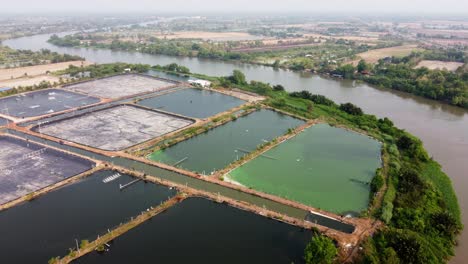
(442, 85)
(320, 250)
(400, 74)
(189, 48)
(174, 67)
(351, 109)
(442, 55)
(299, 58)
(419, 205)
(19, 58)
(102, 70)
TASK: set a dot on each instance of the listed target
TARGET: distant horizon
(238, 7)
(376, 16)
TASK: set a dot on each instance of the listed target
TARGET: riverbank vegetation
(10, 58)
(320, 250)
(329, 57)
(401, 74)
(300, 56)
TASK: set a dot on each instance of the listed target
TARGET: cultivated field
(373, 56)
(119, 86)
(115, 128)
(432, 65)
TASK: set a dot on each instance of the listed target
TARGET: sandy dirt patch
(28, 81)
(7, 74)
(373, 56)
(432, 65)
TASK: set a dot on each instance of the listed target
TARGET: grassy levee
(433, 173)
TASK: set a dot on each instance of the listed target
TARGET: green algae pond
(198, 103)
(220, 146)
(324, 167)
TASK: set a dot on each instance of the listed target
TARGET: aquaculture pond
(26, 167)
(202, 231)
(43, 102)
(48, 226)
(325, 167)
(193, 102)
(220, 146)
(114, 128)
(3, 121)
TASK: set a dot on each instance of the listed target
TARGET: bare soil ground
(242, 95)
(8, 74)
(373, 56)
(28, 81)
(432, 65)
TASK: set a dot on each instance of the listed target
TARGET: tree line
(441, 85)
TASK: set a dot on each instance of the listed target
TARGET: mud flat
(324, 167)
(218, 234)
(43, 102)
(120, 86)
(48, 226)
(26, 167)
(114, 128)
(193, 102)
(218, 147)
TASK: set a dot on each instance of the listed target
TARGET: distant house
(202, 83)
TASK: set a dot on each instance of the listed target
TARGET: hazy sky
(420, 7)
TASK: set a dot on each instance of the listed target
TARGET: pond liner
(329, 222)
